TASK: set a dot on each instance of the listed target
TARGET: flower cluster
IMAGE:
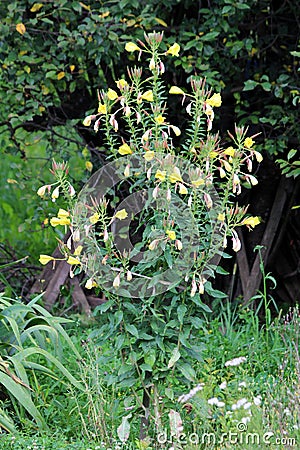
(173, 163)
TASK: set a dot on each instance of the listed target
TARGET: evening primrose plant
(150, 227)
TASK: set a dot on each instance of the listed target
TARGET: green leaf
(132, 329)
(23, 397)
(291, 153)
(249, 85)
(175, 355)
(124, 429)
(187, 371)
(181, 310)
(198, 302)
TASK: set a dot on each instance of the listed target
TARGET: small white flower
(245, 420)
(257, 400)
(223, 385)
(242, 384)
(235, 361)
(247, 405)
(215, 401)
(239, 404)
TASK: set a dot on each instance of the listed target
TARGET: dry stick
(251, 279)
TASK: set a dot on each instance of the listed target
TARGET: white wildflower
(235, 361)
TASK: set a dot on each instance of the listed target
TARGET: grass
(234, 406)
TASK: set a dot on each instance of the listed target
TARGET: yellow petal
(102, 108)
(111, 94)
(20, 27)
(73, 261)
(125, 150)
(122, 214)
(78, 250)
(174, 50)
(221, 217)
(198, 182)
(175, 176)
(148, 95)
(94, 218)
(182, 189)
(121, 83)
(176, 90)
(87, 121)
(249, 142)
(62, 213)
(149, 155)
(176, 130)
(89, 166)
(251, 221)
(44, 259)
(258, 156)
(36, 7)
(161, 175)
(215, 100)
(171, 234)
(160, 119)
(60, 75)
(131, 47)
(229, 151)
(41, 191)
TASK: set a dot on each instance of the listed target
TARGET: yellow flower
(182, 189)
(102, 109)
(121, 83)
(153, 244)
(122, 214)
(111, 94)
(78, 250)
(55, 193)
(44, 259)
(175, 176)
(131, 47)
(258, 156)
(89, 166)
(116, 282)
(198, 182)
(221, 217)
(73, 261)
(125, 150)
(229, 151)
(149, 155)
(173, 50)
(176, 130)
(87, 121)
(171, 234)
(215, 100)
(227, 166)
(20, 27)
(148, 95)
(176, 90)
(127, 171)
(248, 143)
(251, 221)
(55, 221)
(90, 283)
(94, 218)
(42, 190)
(160, 119)
(62, 213)
(213, 154)
(160, 175)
